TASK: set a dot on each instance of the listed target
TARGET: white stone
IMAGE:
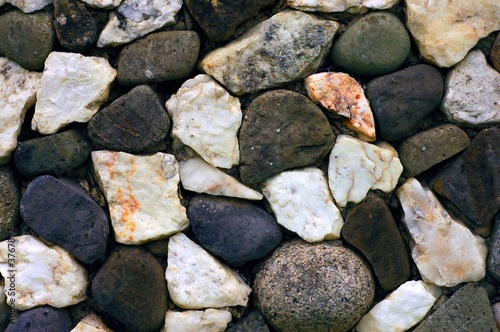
(287, 47)
(73, 88)
(302, 203)
(446, 30)
(210, 320)
(445, 251)
(17, 95)
(330, 6)
(37, 274)
(472, 92)
(106, 4)
(29, 6)
(196, 280)
(207, 118)
(142, 195)
(402, 309)
(91, 323)
(198, 176)
(137, 18)
(356, 167)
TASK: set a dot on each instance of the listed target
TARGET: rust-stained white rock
(40, 274)
(342, 95)
(72, 90)
(91, 323)
(207, 118)
(445, 251)
(196, 280)
(142, 195)
(302, 203)
(28, 6)
(210, 320)
(355, 167)
(330, 6)
(107, 4)
(18, 88)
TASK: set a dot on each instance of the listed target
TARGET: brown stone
(495, 53)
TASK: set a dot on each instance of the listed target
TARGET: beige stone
(106, 4)
(210, 320)
(330, 6)
(28, 6)
(91, 323)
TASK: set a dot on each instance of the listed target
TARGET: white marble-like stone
(91, 323)
(472, 92)
(137, 18)
(72, 90)
(402, 309)
(342, 95)
(302, 203)
(37, 274)
(198, 176)
(142, 195)
(29, 6)
(445, 251)
(330, 6)
(18, 88)
(207, 118)
(197, 280)
(210, 320)
(356, 167)
(106, 4)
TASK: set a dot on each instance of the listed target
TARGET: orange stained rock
(129, 206)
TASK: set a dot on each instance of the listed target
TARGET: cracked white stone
(198, 176)
(196, 280)
(207, 118)
(330, 6)
(302, 203)
(210, 320)
(72, 90)
(355, 167)
(445, 251)
(40, 274)
(106, 4)
(28, 6)
(142, 195)
(91, 323)
(17, 95)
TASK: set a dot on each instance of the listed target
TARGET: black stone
(252, 322)
(75, 28)
(9, 201)
(493, 261)
(42, 319)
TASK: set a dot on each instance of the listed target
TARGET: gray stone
(42, 319)
(75, 27)
(493, 260)
(252, 322)
(9, 202)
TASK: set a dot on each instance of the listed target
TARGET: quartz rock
(196, 280)
(445, 251)
(210, 320)
(72, 89)
(107, 4)
(287, 47)
(330, 6)
(207, 118)
(29, 6)
(91, 323)
(142, 195)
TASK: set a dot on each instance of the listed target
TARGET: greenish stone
(9, 202)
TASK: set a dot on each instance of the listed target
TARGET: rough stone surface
(107, 4)
(329, 6)
(29, 6)
(210, 320)
(250, 323)
(42, 319)
(495, 53)
(493, 260)
(5, 312)
(287, 47)
(75, 27)
(91, 323)
(9, 201)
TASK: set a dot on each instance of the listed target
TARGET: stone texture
(42, 319)
(401, 100)
(106, 4)
(75, 27)
(446, 30)
(495, 53)
(493, 260)
(252, 322)
(233, 229)
(29, 6)
(281, 130)
(330, 6)
(72, 90)
(91, 323)
(210, 320)
(9, 201)
(161, 56)
(5, 312)
(313, 287)
(287, 47)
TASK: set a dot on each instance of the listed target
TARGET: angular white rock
(40, 274)
(106, 4)
(402, 309)
(142, 195)
(302, 203)
(207, 118)
(137, 18)
(445, 251)
(210, 320)
(356, 167)
(472, 92)
(18, 88)
(28, 6)
(198, 176)
(73, 87)
(91, 323)
(196, 280)
(330, 6)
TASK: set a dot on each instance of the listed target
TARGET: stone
(287, 47)
(329, 6)
(493, 260)
(252, 322)
(142, 195)
(281, 130)
(341, 95)
(106, 4)
(91, 323)
(302, 203)
(9, 202)
(445, 251)
(198, 176)
(356, 167)
(134, 123)
(210, 320)
(42, 319)
(445, 31)
(402, 99)
(72, 90)
(207, 119)
(472, 92)
(376, 44)
(29, 6)
(313, 287)
(161, 56)
(402, 309)
(496, 312)
(495, 53)
(37, 274)
(75, 27)
(130, 287)
(5, 312)
(135, 18)
(233, 229)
